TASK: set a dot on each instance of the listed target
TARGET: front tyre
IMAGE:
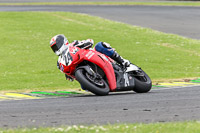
(143, 83)
(97, 86)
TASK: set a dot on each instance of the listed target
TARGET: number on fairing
(68, 58)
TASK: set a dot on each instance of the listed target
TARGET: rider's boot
(120, 60)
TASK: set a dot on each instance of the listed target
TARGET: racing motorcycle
(100, 74)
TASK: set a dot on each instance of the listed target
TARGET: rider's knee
(102, 49)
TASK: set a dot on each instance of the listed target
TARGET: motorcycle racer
(59, 45)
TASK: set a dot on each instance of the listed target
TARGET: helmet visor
(58, 44)
(54, 48)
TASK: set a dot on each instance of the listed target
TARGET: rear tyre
(143, 84)
(97, 86)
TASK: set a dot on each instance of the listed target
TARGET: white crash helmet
(58, 44)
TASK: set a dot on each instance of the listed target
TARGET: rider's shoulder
(61, 57)
(61, 60)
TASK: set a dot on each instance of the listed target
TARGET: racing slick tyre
(97, 86)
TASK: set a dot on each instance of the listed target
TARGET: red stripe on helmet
(53, 43)
(53, 40)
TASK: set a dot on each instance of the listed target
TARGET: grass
(175, 127)
(27, 62)
(110, 3)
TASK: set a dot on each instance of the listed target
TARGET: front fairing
(67, 59)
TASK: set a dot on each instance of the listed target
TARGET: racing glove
(84, 44)
(58, 66)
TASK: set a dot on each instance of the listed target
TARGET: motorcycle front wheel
(97, 86)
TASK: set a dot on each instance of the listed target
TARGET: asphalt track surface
(162, 105)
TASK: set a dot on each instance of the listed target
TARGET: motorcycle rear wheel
(82, 78)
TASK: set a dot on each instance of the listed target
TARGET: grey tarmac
(161, 105)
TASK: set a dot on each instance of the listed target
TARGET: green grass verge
(110, 3)
(175, 127)
(27, 62)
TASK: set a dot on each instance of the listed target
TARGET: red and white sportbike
(100, 75)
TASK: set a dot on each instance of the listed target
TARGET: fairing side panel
(103, 62)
